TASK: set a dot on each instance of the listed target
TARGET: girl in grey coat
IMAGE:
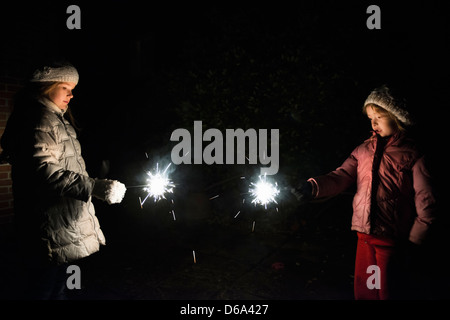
(54, 217)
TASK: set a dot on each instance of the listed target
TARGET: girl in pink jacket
(394, 202)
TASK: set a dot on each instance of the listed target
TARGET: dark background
(146, 70)
(306, 69)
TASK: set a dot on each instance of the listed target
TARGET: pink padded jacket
(404, 204)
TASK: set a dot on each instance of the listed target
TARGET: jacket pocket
(68, 149)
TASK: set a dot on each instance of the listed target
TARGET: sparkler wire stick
(137, 186)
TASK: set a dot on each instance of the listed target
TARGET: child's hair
(383, 111)
(44, 89)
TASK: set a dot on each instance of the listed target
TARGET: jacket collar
(52, 106)
(392, 140)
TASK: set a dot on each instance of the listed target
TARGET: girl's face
(382, 124)
(62, 94)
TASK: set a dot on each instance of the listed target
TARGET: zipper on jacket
(380, 144)
(81, 169)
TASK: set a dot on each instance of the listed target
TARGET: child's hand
(111, 191)
(303, 192)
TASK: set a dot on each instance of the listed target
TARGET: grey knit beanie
(383, 97)
(63, 73)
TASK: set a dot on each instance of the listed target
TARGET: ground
(235, 261)
(305, 254)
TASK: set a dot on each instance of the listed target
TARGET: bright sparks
(158, 184)
(264, 192)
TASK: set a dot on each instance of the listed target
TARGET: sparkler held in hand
(264, 192)
(158, 184)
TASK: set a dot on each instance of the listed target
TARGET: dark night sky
(124, 92)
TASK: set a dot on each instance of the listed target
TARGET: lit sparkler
(264, 192)
(158, 184)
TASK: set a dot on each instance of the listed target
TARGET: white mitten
(111, 191)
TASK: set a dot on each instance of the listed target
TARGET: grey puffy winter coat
(54, 214)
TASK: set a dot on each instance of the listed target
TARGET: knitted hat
(383, 98)
(63, 73)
